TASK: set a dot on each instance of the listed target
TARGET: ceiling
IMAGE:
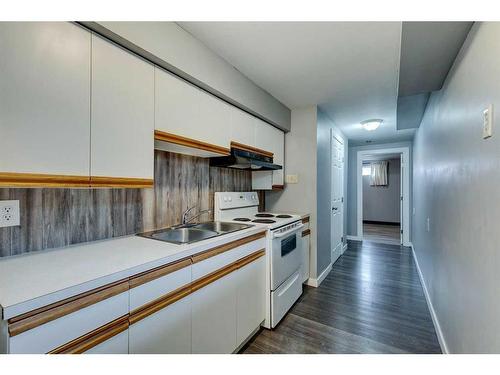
(349, 69)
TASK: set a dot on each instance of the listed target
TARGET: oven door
(285, 255)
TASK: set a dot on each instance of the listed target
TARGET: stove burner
(264, 215)
(241, 219)
(284, 216)
(264, 221)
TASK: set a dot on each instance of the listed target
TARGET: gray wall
(325, 124)
(352, 205)
(456, 186)
(381, 203)
(170, 46)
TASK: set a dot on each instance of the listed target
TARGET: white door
(337, 197)
(401, 199)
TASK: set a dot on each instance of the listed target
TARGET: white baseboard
(316, 282)
(344, 248)
(354, 238)
(435, 321)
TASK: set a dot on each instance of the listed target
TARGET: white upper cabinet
(44, 98)
(269, 138)
(187, 111)
(177, 105)
(122, 123)
(242, 127)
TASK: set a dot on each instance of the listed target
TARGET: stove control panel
(231, 200)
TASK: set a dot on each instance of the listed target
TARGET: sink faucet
(185, 219)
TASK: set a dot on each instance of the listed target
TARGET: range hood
(245, 160)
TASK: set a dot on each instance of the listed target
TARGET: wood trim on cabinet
(158, 272)
(35, 318)
(241, 146)
(226, 247)
(93, 338)
(278, 187)
(9, 179)
(305, 219)
(189, 142)
(159, 303)
(306, 232)
(120, 182)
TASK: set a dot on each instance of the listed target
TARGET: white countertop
(31, 281)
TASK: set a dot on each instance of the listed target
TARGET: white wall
(170, 46)
(457, 186)
(300, 159)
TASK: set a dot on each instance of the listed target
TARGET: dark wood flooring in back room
(371, 302)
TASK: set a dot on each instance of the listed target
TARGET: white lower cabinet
(214, 317)
(167, 331)
(114, 345)
(251, 296)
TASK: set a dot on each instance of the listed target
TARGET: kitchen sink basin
(194, 232)
(221, 227)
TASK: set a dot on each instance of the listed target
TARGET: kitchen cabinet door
(214, 317)
(271, 139)
(167, 331)
(114, 345)
(44, 98)
(177, 105)
(250, 298)
(304, 268)
(122, 123)
(242, 127)
(215, 121)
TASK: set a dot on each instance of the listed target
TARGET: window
(367, 170)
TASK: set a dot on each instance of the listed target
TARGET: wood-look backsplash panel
(53, 218)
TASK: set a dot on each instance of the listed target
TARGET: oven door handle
(294, 229)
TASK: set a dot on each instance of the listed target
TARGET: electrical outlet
(9, 213)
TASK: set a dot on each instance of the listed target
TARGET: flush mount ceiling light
(371, 124)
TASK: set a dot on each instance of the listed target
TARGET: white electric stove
(283, 239)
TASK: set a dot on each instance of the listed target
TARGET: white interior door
(337, 219)
(401, 212)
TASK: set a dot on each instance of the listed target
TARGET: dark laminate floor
(371, 302)
(382, 233)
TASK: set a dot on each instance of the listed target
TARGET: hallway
(371, 302)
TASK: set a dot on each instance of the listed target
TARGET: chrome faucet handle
(185, 213)
(198, 215)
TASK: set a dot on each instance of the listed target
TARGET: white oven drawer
(286, 257)
(284, 297)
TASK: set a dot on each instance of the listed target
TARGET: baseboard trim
(344, 248)
(435, 321)
(354, 238)
(317, 282)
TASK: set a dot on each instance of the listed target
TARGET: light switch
(292, 178)
(488, 122)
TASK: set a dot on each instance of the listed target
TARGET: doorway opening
(383, 196)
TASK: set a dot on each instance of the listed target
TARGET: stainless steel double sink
(190, 233)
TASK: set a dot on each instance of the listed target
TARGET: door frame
(335, 134)
(405, 152)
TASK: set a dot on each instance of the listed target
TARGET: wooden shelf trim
(35, 318)
(305, 220)
(120, 182)
(185, 290)
(189, 142)
(306, 232)
(158, 272)
(226, 247)
(8, 179)
(241, 146)
(93, 338)
(278, 187)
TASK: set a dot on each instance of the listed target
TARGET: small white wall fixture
(405, 191)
